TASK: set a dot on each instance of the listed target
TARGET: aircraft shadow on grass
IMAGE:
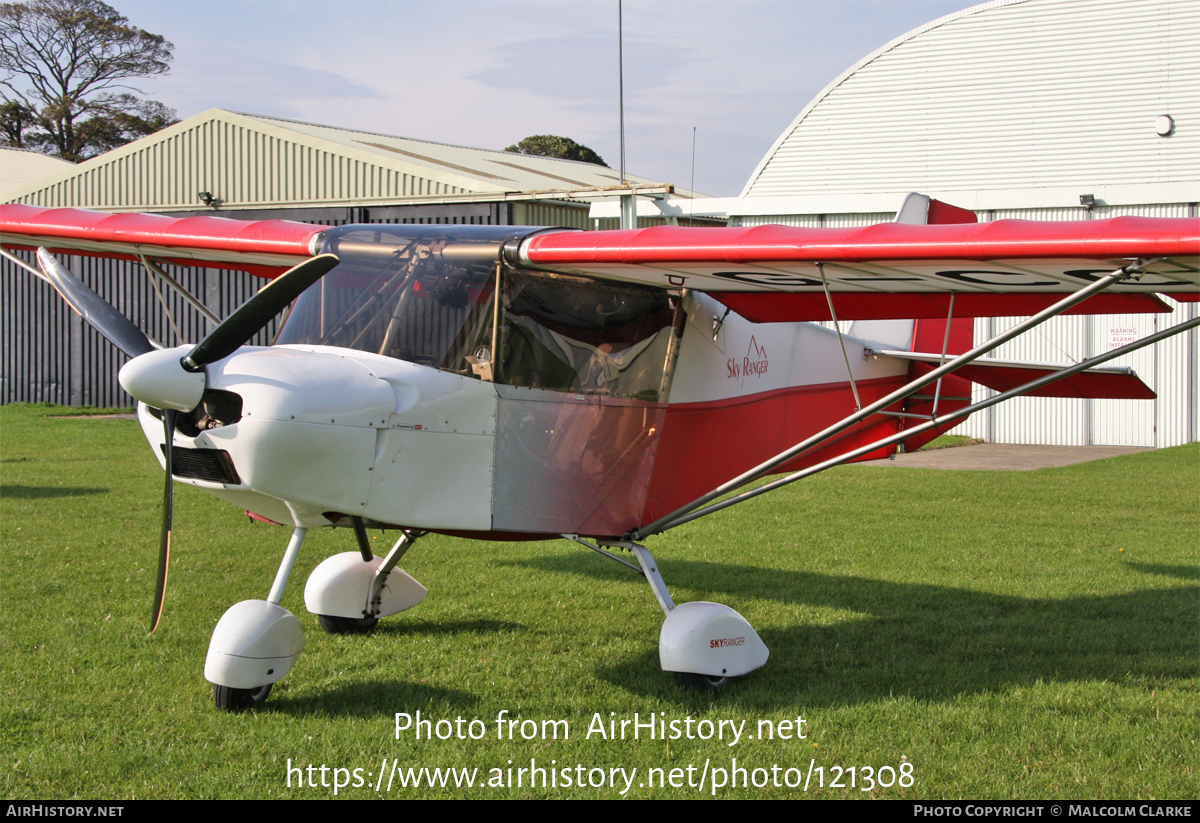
(926, 642)
(16, 491)
(370, 698)
(1182, 572)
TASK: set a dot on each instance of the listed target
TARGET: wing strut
(837, 327)
(156, 271)
(1032, 385)
(763, 469)
(12, 258)
(937, 392)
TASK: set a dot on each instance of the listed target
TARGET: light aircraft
(513, 383)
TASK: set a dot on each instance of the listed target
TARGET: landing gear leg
(349, 592)
(704, 645)
(381, 574)
(256, 643)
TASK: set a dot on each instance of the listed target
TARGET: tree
(550, 145)
(15, 119)
(64, 63)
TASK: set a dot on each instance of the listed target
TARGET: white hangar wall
(1016, 109)
(1008, 95)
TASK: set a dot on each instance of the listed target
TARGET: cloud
(582, 69)
(230, 77)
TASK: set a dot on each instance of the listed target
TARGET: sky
(487, 74)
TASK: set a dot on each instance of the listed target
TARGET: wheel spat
(256, 313)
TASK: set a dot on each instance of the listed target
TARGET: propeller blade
(116, 327)
(257, 312)
(164, 545)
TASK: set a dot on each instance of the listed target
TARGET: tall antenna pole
(628, 201)
(621, 86)
(692, 185)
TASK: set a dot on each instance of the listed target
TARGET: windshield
(406, 291)
(427, 294)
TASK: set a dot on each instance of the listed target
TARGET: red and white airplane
(513, 383)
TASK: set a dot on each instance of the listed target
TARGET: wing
(263, 247)
(892, 270)
(766, 273)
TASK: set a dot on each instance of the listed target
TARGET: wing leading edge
(263, 247)
(891, 270)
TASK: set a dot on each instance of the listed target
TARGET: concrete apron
(1004, 457)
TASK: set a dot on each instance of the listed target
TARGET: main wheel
(236, 700)
(346, 625)
(703, 682)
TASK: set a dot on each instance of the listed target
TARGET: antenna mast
(621, 86)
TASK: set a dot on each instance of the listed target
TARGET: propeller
(164, 540)
(160, 378)
(256, 313)
(116, 327)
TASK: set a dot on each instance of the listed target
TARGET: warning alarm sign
(1121, 335)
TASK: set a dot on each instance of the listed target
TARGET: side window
(572, 334)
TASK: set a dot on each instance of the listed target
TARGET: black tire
(701, 682)
(346, 625)
(237, 700)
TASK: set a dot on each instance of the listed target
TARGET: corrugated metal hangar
(1026, 109)
(251, 167)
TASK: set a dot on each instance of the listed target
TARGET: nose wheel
(236, 700)
(700, 682)
(332, 624)
(255, 643)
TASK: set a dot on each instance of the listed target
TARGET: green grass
(1009, 634)
(949, 441)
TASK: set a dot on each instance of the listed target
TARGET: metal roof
(20, 167)
(248, 161)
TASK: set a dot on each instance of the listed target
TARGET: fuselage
(423, 383)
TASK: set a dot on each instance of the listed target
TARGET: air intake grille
(213, 465)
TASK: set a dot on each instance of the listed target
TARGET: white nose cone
(157, 379)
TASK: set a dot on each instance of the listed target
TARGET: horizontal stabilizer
(1120, 383)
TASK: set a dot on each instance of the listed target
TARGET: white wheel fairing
(341, 587)
(709, 639)
(254, 644)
